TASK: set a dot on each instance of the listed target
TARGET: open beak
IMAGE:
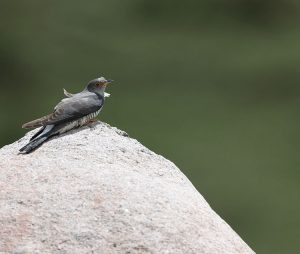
(109, 81)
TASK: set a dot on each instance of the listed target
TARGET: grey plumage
(67, 94)
(70, 113)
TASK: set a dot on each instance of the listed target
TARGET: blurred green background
(212, 85)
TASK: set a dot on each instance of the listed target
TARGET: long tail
(32, 145)
(39, 138)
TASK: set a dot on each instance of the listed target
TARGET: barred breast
(79, 122)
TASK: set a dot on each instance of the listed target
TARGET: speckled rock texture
(95, 190)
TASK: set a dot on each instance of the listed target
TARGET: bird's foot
(92, 121)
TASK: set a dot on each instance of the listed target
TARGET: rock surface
(95, 190)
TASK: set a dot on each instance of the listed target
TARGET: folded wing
(69, 109)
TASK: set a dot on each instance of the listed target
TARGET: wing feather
(69, 109)
(67, 94)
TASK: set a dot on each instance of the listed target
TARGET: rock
(95, 190)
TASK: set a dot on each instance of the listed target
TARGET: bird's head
(98, 85)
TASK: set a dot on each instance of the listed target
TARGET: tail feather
(38, 138)
(32, 145)
(40, 131)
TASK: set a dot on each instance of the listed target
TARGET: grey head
(98, 85)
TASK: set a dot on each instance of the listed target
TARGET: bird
(71, 112)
